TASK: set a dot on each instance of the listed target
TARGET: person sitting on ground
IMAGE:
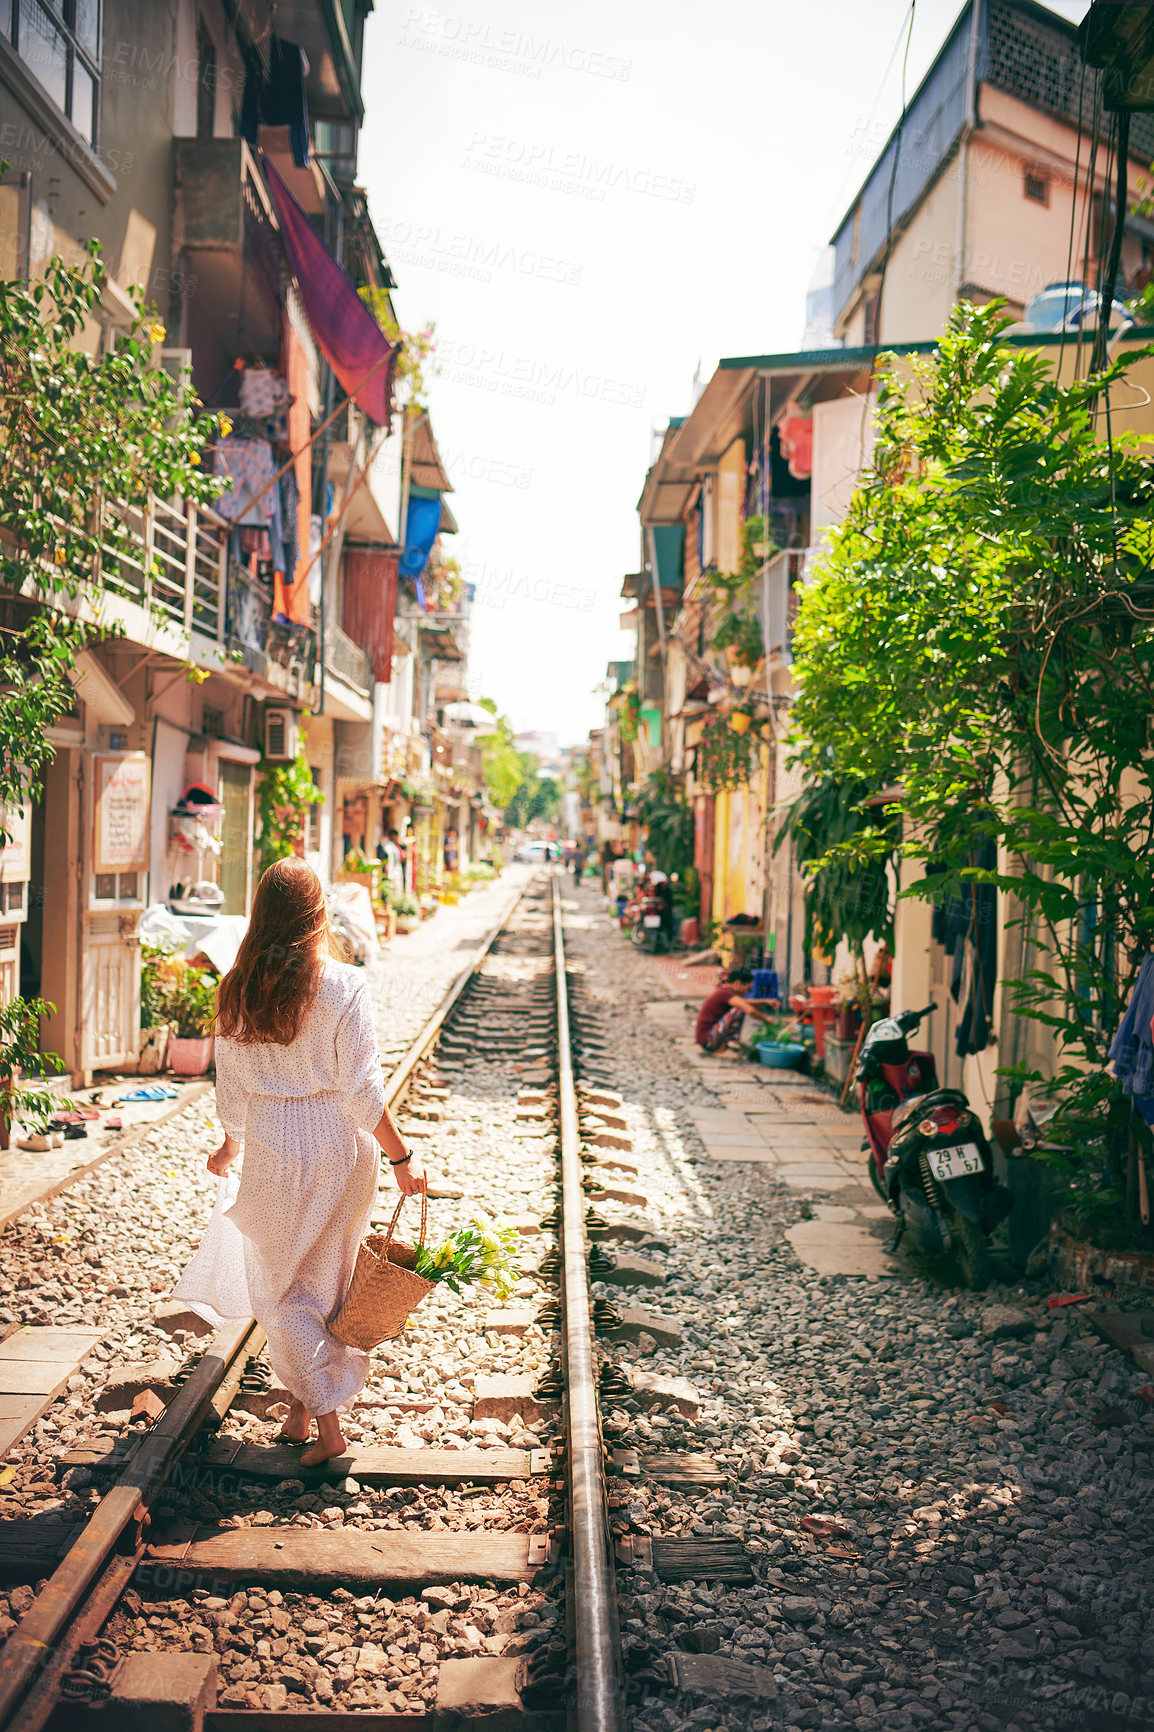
(720, 1019)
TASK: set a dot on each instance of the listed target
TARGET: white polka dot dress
(282, 1240)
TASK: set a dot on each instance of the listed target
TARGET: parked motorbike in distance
(648, 921)
(930, 1161)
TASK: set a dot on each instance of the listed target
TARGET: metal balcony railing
(775, 600)
(173, 563)
(347, 660)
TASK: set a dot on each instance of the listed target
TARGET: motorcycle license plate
(651, 919)
(956, 1162)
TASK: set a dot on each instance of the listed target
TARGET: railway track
(78, 1643)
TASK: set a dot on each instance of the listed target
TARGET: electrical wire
(889, 230)
(851, 171)
(1073, 221)
(893, 182)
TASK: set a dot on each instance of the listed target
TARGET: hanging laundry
(966, 926)
(262, 392)
(796, 433)
(248, 465)
(1132, 1049)
(783, 484)
(278, 99)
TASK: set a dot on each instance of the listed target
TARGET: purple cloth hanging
(348, 336)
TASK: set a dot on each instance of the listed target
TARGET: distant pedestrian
(298, 1078)
(578, 864)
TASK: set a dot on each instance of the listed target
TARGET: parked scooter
(930, 1161)
(648, 919)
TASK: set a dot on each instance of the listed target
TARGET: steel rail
(83, 1591)
(600, 1699)
(400, 1078)
(42, 1647)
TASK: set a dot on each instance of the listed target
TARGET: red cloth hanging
(291, 590)
(370, 605)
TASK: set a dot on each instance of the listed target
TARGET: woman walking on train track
(299, 1079)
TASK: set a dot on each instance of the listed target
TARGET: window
(1036, 188)
(59, 42)
(212, 723)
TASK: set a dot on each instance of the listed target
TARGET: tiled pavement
(780, 1121)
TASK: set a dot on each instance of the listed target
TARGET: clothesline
(327, 422)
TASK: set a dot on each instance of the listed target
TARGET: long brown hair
(269, 990)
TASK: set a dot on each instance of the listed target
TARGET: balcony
(181, 592)
(226, 235)
(174, 562)
(348, 661)
(775, 601)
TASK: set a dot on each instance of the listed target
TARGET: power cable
(850, 172)
(1073, 220)
(889, 232)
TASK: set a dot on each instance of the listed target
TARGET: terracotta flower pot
(190, 1056)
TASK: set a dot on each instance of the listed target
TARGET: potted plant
(20, 1052)
(155, 961)
(190, 1003)
(408, 913)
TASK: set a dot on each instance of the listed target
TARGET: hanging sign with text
(122, 790)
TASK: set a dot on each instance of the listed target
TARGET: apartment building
(211, 149)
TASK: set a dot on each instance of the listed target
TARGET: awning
(466, 715)
(422, 522)
(370, 604)
(349, 337)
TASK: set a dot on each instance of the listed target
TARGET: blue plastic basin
(780, 1057)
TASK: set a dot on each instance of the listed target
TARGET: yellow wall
(920, 278)
(728, 497)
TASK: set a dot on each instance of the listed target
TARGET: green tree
(84, 440)
(982, 633)
(668, 817)
(504, 767)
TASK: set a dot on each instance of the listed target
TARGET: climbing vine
(286, 794)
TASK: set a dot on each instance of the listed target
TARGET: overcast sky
(591, 202)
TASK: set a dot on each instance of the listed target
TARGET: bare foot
(297, 1426)
(329, 1442)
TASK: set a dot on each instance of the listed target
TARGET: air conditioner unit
(280, 735)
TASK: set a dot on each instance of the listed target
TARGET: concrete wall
(727, 502)
(127, 200)
(843, 442)
(320, 751)
(920, 279)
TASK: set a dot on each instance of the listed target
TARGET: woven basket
(384, 1290)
